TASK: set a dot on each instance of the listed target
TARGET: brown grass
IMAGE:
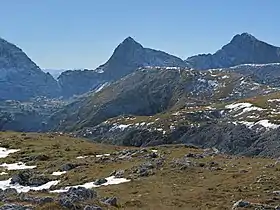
(170, 188)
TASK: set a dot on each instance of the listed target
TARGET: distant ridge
(243, 49)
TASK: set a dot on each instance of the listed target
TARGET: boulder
(100, 181)
(73, 196)
(68, 167)
(182, 163)
(15, 207)
(92, 207)
(10, 192)
(27, 178)
(111, 201)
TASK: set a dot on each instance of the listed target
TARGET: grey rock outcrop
(20, 77)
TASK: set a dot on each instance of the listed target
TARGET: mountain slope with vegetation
(164, 177)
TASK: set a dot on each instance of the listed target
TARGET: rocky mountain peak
(20, 77)
(242, 49)
(130, 55)
(244, 37)
(130, 41)
(243, 41)
(128, 46)
(12, 57)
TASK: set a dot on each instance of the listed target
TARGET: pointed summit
(129, 41)
(131, 55)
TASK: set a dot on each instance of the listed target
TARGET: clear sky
(83, 33)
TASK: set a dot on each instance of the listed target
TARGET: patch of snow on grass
(81, 157)
(252, 117)
(6, 184)
(59, 173)
(176, 113)
(238, 106)
(245, 107)
(16, 166)
(99, 156)
(112, 180)
(3, 173)
(4, 152)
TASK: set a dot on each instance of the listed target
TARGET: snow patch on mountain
(112, 180)
(6, 184)
(4, 152)
(16, 166)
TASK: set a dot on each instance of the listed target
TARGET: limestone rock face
(20, 77)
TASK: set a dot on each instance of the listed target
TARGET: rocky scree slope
(20, 77)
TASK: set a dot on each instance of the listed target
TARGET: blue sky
(83, 33)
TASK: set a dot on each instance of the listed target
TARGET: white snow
(16, 166)
(4, 152)
(81, 157)
(238, 106)
(154, 150)
(225, 77)
(246, 107)
(248, 124)
(6, 184)
(101, 87)
(112, 180)
(172, 67)
(59, 173)
(255, 65)
(176, 113)
(274, 100)
(121, 127)
(267, 124)
(253, 108)
(99, 70)
(3, 173)
(263, 123)
(98, 156)
(253, 117)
